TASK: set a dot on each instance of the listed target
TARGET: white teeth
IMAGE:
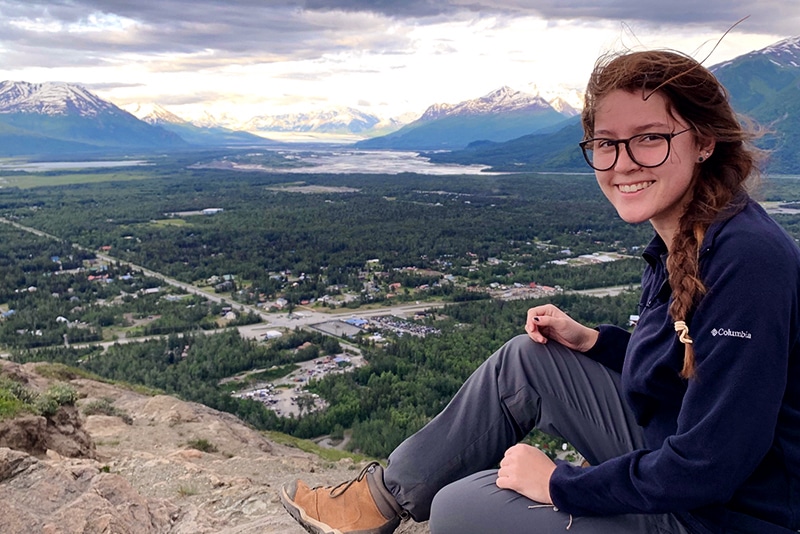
(632, 188)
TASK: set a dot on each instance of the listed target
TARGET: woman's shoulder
(753, 235)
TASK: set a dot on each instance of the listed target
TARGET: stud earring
(701, 159)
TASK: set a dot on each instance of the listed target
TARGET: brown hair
(693, 93)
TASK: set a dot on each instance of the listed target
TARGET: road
(606, 291)
(301, 316)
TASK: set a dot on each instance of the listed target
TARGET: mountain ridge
(61, 118)
(51, 98)
(500, 115)
(150, 464)
(764, 85)
(209, 135)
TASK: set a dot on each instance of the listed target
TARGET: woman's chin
(632, 218)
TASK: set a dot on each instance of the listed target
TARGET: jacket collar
(656, 250)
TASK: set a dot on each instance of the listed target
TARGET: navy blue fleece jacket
(723, 448)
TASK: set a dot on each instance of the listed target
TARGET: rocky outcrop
(148, 476)
(59, 496)
(61, 432)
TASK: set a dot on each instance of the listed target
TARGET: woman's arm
(744, 330)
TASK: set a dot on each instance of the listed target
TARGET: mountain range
(764, 87)
(208, 135)
(507, 129)
(501, 115)
(60, 118)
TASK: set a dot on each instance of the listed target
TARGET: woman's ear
(706, 149)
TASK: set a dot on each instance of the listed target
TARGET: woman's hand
(548, 322)
(527, 471)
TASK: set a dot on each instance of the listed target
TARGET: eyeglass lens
(647, 150)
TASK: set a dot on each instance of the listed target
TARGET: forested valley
(319, 241)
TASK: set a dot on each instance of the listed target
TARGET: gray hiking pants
(444, 471)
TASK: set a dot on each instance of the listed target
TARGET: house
(224, 286)
(272, 334)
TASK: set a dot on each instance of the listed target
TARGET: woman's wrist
(590, 339)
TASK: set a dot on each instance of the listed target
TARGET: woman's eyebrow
(639, 129)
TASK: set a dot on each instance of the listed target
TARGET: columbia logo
(727, 332)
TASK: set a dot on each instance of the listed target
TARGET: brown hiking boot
(360, 506)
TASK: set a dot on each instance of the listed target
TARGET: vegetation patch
(10, 405)
(29, 181)
(16, 399)
(106, 406)
(169, 222)
(202, 444)
(60, 371)
(331, 455)
(314, 189)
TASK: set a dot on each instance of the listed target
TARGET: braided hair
(693, 93)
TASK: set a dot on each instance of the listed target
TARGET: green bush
(16, 398)
(63, 394)
(45, 405)
(18, 390)
(202, 445)
(10, 405)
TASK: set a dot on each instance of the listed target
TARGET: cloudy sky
(244, 58)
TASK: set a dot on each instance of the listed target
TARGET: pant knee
(458, 508)
(521, 350)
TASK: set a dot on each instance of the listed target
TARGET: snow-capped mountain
(338, 120)
(53, 117)
(765, 86)
(51, 98)
(503, 100)
(785, 54)
(207, 120)
(497, 116)
(153, 114)
(210, 135)
(564, 99)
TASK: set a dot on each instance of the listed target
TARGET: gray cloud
(243, 29)
(767, 16)
(213, 32)
(105, 86)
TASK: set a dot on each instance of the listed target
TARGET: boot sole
(309, 523)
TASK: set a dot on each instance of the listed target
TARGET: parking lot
(286, 396)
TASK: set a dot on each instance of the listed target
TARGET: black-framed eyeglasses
(646, 150)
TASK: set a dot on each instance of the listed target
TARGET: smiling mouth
(632, 188)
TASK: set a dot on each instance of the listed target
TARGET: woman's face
(639, 194)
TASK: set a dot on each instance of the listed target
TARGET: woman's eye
(651, 138)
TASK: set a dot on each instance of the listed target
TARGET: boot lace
(341, 488)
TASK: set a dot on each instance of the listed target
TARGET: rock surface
(98, 474)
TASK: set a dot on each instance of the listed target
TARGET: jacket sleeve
(744, 330)
(610, 347)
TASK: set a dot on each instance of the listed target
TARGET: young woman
(691, 423)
